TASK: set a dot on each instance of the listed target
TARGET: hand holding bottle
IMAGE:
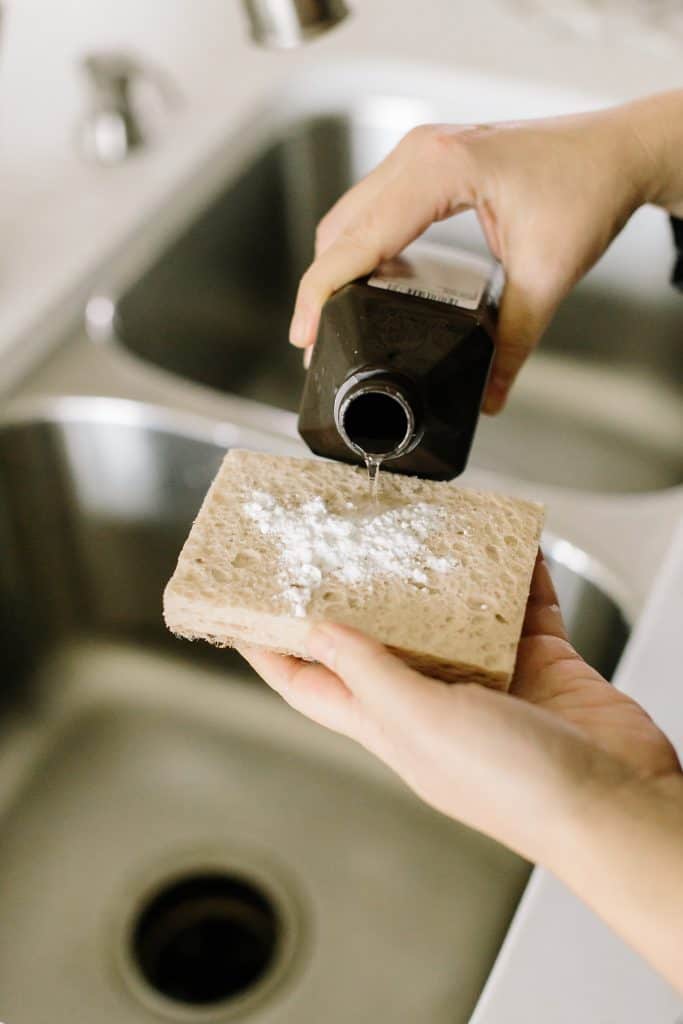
(550, 196)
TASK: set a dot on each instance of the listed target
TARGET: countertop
(61, 219)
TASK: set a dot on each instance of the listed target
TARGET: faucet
(111, 129)
(283, 24)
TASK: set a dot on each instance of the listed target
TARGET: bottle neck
(376, 417)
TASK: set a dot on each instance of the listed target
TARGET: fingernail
(321, 646)
(496, 394)
(298, 330)
(490, 405)
(307, 357)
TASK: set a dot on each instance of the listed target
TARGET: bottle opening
(377, 422)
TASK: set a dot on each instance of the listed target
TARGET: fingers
(307, 687)
(424, 150)
(525, 182)
(426, 181)
(377, 677)
(546, 664)
(399, 215)
(489, 225)
(523, 317)
(349, 257)
(340, 217)
(349, 206)
(549, 670)
(543, 615)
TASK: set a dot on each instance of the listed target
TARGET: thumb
(524, 314)
(369, 670)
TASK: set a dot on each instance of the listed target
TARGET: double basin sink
(175, 843)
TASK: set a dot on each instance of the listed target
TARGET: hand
(550, 196)
(501, 763)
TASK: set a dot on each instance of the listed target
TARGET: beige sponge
(438, 573)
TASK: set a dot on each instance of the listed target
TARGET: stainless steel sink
(176, 843)
(212, 306)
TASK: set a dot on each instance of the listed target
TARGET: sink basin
(176, 843)
(598, 409)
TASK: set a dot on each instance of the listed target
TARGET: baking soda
(355, 548)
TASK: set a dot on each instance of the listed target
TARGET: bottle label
(437, 272)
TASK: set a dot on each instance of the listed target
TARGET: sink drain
(206, 938)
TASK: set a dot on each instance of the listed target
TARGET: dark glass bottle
(401, 361)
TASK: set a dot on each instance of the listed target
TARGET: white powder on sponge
(389, 543)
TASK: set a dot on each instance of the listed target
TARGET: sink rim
(133, 412)
(156, 418)
(57, 411)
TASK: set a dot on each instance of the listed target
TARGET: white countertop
(60, 219)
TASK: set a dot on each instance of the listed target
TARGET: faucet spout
(283, 24)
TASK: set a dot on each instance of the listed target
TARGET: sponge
(438, 573)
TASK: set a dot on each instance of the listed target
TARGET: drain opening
(206, 938)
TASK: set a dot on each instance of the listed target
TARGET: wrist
(596, 784)
(654, 140)
(615, 802)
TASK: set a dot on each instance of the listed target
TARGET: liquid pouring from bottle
(377, 419)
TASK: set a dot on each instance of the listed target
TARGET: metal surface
(128, 758)
(142, 755)
(605, 391)
(111, 128)
(118, 121)
(282, 24)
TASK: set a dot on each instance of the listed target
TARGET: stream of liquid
(373, 464)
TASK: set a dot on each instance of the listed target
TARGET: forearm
(622, 854)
